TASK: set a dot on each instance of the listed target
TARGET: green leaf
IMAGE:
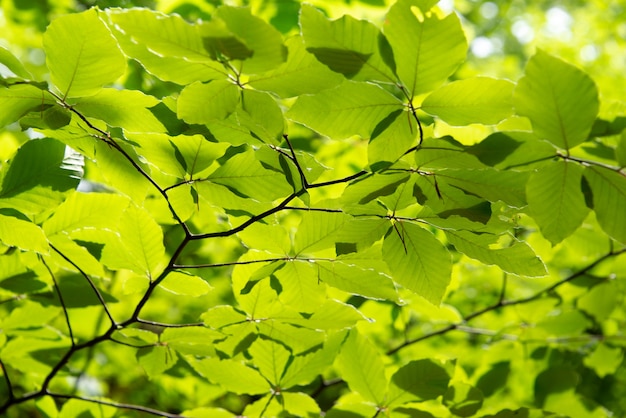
(141, 244)
(203, 103)
(362, 367)
(516, 259)
(232, 375)
(39, 176)
(167, 36)
(25, 235)
(81, 54)
(348, 46)
(560, 100)
(271, 359)
(493, 185)
(418, 261)
(245, 175)
(300, 74)
(265, 42)
(13, 64)
(190, 340)
(392, 137)
(608, 188)
(305, 368)
(261, 114)
(463, 400)
(177, 155)
(349, 109)
(600, 301)
(18, 100)
(427, 49)
(474, 100)
(181, 283)
(317, 231)
(301, 288)
(127, 109)
(119, 173)
(620, 150)
(156, 360)
(86, 211)
(605, 360)
(556, 201)
(300, 404)
(359, 277)
(419, 380)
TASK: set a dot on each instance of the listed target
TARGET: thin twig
(115, 404)
(61, 300)
(91, 283)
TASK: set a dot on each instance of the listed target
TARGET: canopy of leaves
(272, 209)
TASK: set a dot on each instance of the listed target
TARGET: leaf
(39, 176)
(349, 109)
(265, 42)
(300, 74)
(609, 200)
(13, 64)
(86, 211)
(244, 174)
(303, 369)
(463, 400)
(119, 173)
(141, 244)
(301, 288)
(361, 366)
(203, 103)
(600, 301)
(419, 380)
(605, 359)
(556, 201)
(348, 46)
(317, 231)
(358, 278)
(427, 49)
(190, 340)
(517, 259)
(156, 360)
(181, 283)
(232, 375)
(392, 137)
(167, 36)
(127, 109)
(560, 100)
(18, 100)
(418, 261)
(261, 114)
(25, 235)
(271, 359)
(493, 185)
(474, 100)
(81, 54)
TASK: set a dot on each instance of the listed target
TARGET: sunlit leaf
(362, 367)
(609, 200)
(349, 109)
(560, 100)
(417, 260)
(81, 54)
(478, 100)
(427, 49)
(556, 201)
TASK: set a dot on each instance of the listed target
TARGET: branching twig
(91, 283)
